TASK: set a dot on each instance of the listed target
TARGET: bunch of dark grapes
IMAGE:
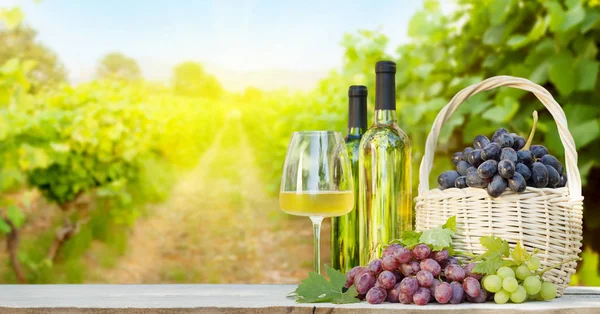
(411, 276)
(503, 162)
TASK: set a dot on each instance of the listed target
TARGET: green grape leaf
(316, 289)
(437, 238)
(410, 238)
(519, 254)
(585, 133)
(517, 41)
(15, 215)
(562, 74)
(450, 224)
(492, 259)
(573, 17)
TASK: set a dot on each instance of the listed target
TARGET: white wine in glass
(317, 180)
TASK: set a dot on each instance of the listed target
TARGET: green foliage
(118, 66)
(20, 41)
(317, 289)
(190, 80)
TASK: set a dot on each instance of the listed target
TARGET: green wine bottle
(385, 201)
(344, 229)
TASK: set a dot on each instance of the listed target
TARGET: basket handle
(573, 177)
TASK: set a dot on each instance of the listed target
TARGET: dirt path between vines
(218, 226)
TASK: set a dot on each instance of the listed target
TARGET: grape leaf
(410, 238)
(317, 289)
(438, 238)
(519, 254)
(492, 259)
(450, 224)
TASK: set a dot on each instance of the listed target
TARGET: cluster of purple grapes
(409, 276)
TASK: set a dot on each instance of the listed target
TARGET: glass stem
(316, 222)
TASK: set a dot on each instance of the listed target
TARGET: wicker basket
(547, 219)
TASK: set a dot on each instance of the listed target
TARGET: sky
(263, 43)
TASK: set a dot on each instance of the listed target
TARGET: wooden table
(242, 299)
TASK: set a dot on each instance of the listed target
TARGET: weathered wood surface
(241, 299)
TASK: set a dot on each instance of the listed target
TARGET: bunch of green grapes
(519, 283)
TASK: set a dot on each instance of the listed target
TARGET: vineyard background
(123, 180)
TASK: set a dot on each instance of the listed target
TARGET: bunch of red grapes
(409, 276)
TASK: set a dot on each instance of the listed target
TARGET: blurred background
(142, 141)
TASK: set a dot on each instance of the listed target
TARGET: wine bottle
(344, 229)
(385, 201)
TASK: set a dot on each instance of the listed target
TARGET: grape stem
(530, 139)
(543, 271)
(465, 254)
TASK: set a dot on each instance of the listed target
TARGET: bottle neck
(385, 91)
(356, 132)
(385, 116)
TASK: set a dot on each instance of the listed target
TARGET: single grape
(410, 269)
(553, 176)
(506, 168)
(392, 294)
(480, 141)
(539, 175)
(487, 169)
(491, 151)
(439, 256)
(424, 278)
(364, 282)
(457, 292)
(421, 251)
(497, 186)
(522, 272)
(409, 285)
(391, 249)
(389, 263)
(466, 152)
(501, 297)
(519, 295)
(446, 179)
(538, 150)
(443, 293)
(475, 158)
(561, 183)
(469, 271)
(432, 266)
(505, 140)
(552, 161)
(525, 157)
(436, 282)
(471, 286)
(505, 272)
(375, 266)
(376, 295)
(523, 170)
(456, 157)
(474, 180)
(509, 154)
(517, 183)
(533, 263)
(532, 284)
(492, 283)
(362, 270)
(519, 141)
(482, 297)
(510, 284)
(498, 133)
(421, 296)
(405, 298)
(454, 272)
(386, 279)
(351, 274)
(461, 182)
(398, 275)
(548, 291)
(462, 167)
(403, 255)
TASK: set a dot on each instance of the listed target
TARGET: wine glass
(317, 180)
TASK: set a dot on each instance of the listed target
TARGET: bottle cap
(357, 91)
(385, 67)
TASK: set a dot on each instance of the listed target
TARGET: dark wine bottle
(385, 201)
(344, 229)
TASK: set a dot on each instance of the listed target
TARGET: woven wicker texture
(547, 219)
